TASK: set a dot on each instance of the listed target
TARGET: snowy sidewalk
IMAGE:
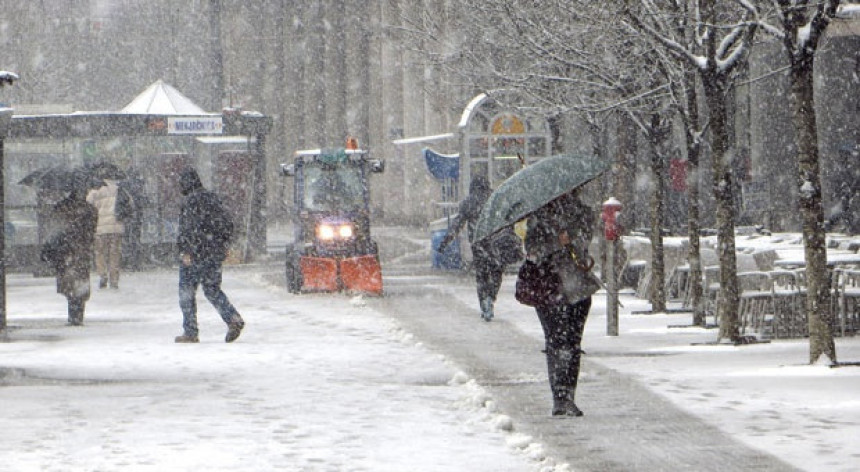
(656, 397)
(315, 383)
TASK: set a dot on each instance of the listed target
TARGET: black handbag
(55, 250)
(538, 284)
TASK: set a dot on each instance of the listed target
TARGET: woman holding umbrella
(558, 282)
(558, 234)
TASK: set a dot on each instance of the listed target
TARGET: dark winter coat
(205, 228)
(132, 190)
(566, 214)
(503, 248)
(70, 250)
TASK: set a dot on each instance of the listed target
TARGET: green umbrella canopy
(533, 187)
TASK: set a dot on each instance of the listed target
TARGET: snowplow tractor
(332, 249)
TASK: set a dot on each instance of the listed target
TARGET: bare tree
(724, 34)
(802, 23)
(573, 59)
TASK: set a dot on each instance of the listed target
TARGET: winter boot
(565, 407)
(562, 366)
(186, 339)
(487, 309)
(234, 329)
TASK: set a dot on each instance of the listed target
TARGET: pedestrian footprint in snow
(205, 230)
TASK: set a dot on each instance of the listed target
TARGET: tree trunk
(625, 162)
(818, 280)
(693, 152)
(715, 87)
(656, 136)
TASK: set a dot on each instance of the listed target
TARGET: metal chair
(789, 299)
(755, 297)
(711, 290)
(848, 296)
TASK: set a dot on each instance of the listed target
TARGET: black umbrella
(61, 179)
(106, 170)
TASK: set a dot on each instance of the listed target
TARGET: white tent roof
(162, 99)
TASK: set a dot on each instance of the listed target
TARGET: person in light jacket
(564, 225)
(109, 232)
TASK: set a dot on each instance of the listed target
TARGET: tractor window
(333, 188)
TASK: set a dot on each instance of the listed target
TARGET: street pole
(612, 232)
(611, 292)
(5, 118)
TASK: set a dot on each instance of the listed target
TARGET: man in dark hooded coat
(205, 230)
(490, 255)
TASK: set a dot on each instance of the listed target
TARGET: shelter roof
(162, 99)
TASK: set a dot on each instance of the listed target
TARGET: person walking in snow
(109, 231)
(555, 232)
(490, 255)
(69, 251)
(205, 230)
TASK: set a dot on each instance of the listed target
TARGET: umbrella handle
(584, 266)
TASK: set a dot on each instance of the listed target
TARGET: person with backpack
(490, 255)
(205, 231)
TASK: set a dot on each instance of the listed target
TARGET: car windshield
(333, 188)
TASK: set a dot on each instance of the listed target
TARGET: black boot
(565, 407)
(563, 369)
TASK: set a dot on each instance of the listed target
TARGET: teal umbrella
(533, 187)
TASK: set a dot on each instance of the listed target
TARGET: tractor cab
(332, 249)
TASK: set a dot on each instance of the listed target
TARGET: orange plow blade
(362, 274)
(319, 274)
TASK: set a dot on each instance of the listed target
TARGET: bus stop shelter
(85, 128)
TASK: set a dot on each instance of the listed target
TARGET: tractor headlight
(325, 232)
(345, 231)
(330, 232)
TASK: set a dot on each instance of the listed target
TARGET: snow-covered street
(314, 383)
(332, 382)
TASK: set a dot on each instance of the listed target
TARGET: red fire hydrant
(609, 215)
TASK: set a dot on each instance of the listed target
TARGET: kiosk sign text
(195, 125)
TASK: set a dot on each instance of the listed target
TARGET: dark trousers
(131, 245)
(562, 328)
(488, 277)
(208, 274)
(76, 309)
